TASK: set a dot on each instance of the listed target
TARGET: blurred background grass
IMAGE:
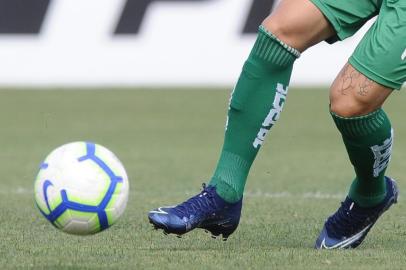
(169, 142)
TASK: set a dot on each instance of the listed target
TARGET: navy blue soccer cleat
(207, 210)
(348, 227)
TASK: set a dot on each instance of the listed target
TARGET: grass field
(169, 142)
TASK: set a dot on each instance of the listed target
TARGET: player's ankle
(365, 201)
(225, 191)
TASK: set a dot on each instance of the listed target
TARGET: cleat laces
(202, 202)
(350, 219)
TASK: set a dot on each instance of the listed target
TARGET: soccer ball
(81, 188)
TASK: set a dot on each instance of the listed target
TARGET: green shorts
(381, 54)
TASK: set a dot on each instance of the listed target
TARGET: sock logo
(273, 115)
(382, 154)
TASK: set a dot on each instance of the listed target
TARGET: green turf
(169, 142)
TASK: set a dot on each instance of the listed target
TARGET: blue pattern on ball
(66, 204)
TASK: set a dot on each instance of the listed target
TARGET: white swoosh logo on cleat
(403, 57)
(346, 242)
(159, 211)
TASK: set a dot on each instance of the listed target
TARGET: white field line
(249, 194)
(318, 195)
(252, 194)
(18, 190)
(286, 194)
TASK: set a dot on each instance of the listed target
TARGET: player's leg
(260, 93)
(299, 24)
(255, 105)
(356, 103)
(375, 68)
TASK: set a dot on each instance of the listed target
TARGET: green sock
(368, 140)
(255, 105)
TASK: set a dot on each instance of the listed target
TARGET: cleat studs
(206, 231)
(179, 236)
(213, 236)
(225, 237)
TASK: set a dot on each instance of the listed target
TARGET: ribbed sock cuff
(271, 49)
(230, 177)
(360, 126)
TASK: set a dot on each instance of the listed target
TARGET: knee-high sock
(368, 140)
(255, 105)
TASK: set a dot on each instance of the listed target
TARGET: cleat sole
(215, 231)
(220, 231)
(164, 229)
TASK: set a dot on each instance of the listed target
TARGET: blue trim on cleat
(207, 210)
(349, 226)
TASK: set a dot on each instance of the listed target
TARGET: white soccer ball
(81, 188)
